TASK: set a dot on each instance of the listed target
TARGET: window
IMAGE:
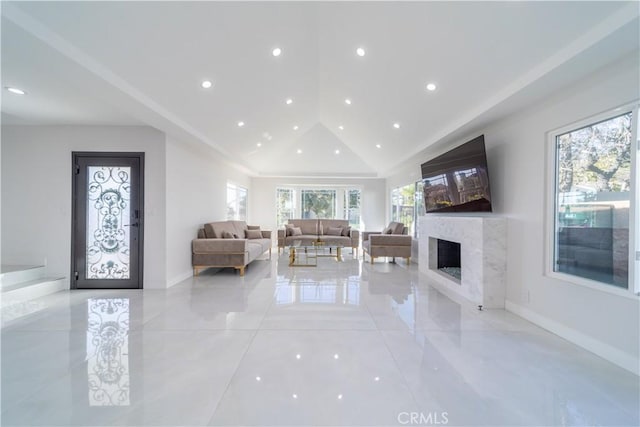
(318, 203)
(285, 206)
(236, 202)
(592, 201)
(352, 207)
(403, 206)
(327, 203)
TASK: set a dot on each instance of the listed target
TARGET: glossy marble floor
(342, 344)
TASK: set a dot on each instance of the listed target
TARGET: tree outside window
(318, 203)
(285, 206)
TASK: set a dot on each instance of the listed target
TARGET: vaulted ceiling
(130, 63)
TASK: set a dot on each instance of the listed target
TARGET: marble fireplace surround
(483, 242)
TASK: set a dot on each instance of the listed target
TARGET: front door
(107, 220)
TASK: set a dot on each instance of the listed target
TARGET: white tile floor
(341, 344)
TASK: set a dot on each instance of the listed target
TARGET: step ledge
(29, 283)
(12, 268)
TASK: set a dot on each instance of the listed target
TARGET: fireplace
(449, 258)
(474, 245)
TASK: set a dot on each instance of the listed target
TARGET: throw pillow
(346, 231)
(296, 231)
(253, 234)
(334, 231)
(387, 230)
(235, 236)
(227, 235)
(253, 227)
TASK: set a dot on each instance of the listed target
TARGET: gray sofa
(228, 244)
(392, 242)
(326, 230)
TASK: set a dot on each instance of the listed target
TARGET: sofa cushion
(296, 231)
(396, 227)
(326, 223)
(334, 231)
(253, 227)
(288, 229)
(227, 235)
(337, 240)
(346, 231)
(387, 230)
(215, 229)
(239, 227)
(253, 234)
(308, 226)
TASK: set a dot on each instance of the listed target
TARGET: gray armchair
(392, 242)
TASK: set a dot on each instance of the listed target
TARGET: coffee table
(305, 254)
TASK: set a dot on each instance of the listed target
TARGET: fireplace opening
(449, 258)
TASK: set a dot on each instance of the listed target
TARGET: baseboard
(606, 351)
(179, 278)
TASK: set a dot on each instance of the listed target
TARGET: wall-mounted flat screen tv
(458, 180)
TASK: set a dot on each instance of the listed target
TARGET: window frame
(632, 290)
(414, 227)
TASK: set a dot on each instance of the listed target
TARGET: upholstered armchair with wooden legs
(392, 242)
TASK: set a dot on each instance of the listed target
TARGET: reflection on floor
(340, 344)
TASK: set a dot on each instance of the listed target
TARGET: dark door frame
(75, 170)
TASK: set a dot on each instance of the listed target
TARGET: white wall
(36, 192)
(602, 322)
(196, 194)
(262, 198)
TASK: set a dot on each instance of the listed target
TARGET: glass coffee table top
(306, 254)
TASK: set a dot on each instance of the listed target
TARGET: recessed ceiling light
(336, 356)
(296, 127)
(289, 101)
(376, 379)
(347, 101)
(431, 87)
(240, 124)
(341, 127)
(206, 84)
(295, 396)
(299, 151)
(396, 125)
(339, 397)
(276, 52)
(258, 378)
(15, 90)
(378, 146)
(337, 151)
(259, 144)
(360, 51)
(298, 356)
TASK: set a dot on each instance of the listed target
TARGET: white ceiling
(142, 63)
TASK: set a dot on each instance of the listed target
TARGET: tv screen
(458, 181)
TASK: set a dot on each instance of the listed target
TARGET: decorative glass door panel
(107, 220)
